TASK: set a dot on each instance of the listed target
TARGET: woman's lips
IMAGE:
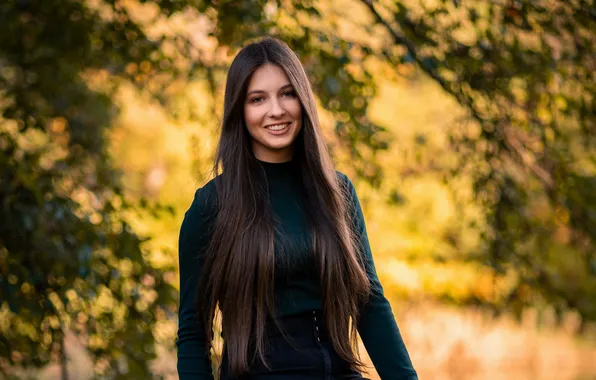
(279, 131)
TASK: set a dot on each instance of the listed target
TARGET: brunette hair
(239, 264)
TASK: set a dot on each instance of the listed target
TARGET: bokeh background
(468, 128)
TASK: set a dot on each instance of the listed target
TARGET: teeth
(277, 127)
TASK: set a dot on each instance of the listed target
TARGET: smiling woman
(272, 113)
(278, 243)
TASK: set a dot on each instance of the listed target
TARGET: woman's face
(272, 113)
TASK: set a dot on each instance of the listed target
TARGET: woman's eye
(256, 99)
(290, 93)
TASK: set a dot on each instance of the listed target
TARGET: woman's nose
(276, 109)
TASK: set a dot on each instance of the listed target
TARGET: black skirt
(308, 354)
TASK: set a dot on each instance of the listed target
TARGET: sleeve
(377, 326)
(193, 355)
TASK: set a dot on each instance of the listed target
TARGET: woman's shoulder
(205, 198)
(207, 192)
(197, 221)
(344, 181)
(348, 190)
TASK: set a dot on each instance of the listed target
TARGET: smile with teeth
(277, 127)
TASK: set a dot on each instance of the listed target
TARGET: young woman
(278, 243)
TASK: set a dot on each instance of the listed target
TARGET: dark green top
(297, 287)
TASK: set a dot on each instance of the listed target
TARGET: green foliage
(68, 259)
(525, 72)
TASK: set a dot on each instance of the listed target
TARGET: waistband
(310, 322)
(306, 324)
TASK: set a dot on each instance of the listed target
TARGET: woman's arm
(377, 326)
(193, 355)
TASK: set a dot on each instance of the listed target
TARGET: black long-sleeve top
(297, 286)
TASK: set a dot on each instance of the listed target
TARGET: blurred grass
(449, 343)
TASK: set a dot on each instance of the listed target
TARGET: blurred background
(468, 128)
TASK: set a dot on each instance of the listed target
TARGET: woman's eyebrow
(261, 91)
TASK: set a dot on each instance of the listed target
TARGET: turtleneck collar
(277, 167)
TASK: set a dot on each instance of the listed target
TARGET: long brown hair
(239, 265)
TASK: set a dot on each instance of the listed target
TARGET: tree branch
(63, 360)
(513, 144)
(402, 40)
(527, 158)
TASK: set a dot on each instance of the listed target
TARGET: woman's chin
(278, 142)
(276, 146)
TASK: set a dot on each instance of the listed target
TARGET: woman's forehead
(268, 77)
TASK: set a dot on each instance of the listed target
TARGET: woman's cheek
(251, 117)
